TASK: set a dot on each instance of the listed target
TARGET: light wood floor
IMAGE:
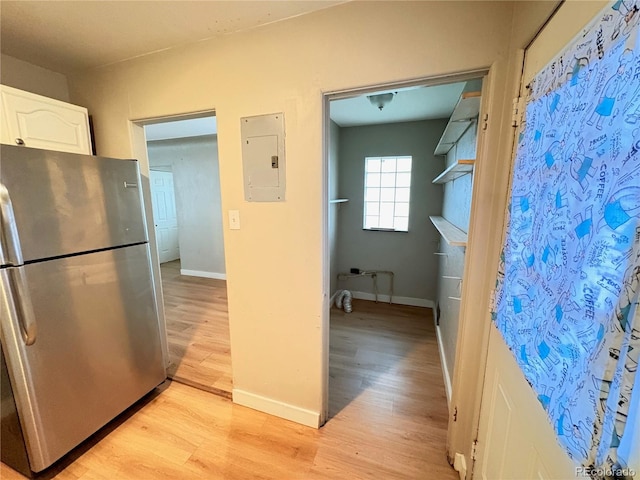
(388, 408)
(386, 391)
(197, 329)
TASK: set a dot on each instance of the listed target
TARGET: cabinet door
(40, 122)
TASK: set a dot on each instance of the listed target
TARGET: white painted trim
(413, 302)
(445, 367)
(326, 263)
(277, 408)
(200, 273)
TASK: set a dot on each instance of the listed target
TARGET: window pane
(373, 164)
(386, 194)
(402, 194)
(402, 209)
(372, 208)
(388, 180)
(371, 194)
(404, 180)
(371, 222)
(389, 164)
(372, 180)
(404, 164)
(401, 223)
(386, 212)
(386, 222)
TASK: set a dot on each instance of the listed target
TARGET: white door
(40, 122)
(165, 219)
(515, 438)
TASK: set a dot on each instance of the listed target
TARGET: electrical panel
(263, 160)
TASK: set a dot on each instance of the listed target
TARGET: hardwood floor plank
(386, 379)
(388, 419)
(198, 330)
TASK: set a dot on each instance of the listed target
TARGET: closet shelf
(339, 200)
(455, 170)
(451, 234)
(464, 113)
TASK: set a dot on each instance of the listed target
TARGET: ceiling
(64, 36)
(408, 105)
(193, 127)
(73, 35)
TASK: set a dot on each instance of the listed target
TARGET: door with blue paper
(558, 399)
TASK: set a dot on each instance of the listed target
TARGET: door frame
(138, 140)
(327, 97)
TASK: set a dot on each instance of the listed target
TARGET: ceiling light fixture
(381, 100)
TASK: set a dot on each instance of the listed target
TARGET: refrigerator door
(66, 203)
(13, 451)
(96, 352)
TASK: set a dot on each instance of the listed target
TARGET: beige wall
(32, 78)
(194, 163)
(274, 263)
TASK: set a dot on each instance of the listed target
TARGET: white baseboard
(277, 408)
(413, 302)
(445, 367)
(200, 273)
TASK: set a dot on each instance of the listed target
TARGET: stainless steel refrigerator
(79, 327)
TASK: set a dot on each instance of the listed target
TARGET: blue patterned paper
(569, 276)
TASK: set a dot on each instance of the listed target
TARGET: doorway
(388, 356)
(186, 203)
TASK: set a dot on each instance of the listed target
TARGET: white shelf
(463, 115)
(451, 234)
(339, 200)
(455, 170)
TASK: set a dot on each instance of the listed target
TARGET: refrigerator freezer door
(96, 353)
(67, 203)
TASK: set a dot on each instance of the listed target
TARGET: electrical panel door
(263, 157)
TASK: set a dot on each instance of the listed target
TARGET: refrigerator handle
(23, 305)
(10, 252)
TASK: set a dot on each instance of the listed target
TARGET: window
(387, 185)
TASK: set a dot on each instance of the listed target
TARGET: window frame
(398, 187)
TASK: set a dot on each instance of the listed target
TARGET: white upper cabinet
(41, 122)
